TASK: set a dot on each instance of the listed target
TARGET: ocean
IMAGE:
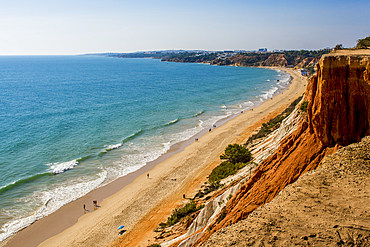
(70, 124)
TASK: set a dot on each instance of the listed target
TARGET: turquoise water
(69, 124)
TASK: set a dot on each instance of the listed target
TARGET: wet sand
(141, 203)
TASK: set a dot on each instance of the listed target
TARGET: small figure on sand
(210, 130)
(183, 196)
(196, 139)
(147, 175)
(84, 209)
(95, 203)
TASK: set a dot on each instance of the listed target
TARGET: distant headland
(302, 59)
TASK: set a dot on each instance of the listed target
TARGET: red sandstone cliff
(338, 114)
(339, 97)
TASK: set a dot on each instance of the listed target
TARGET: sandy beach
(141, 203)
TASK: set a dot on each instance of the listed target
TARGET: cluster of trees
(190, 57)
(363, 43)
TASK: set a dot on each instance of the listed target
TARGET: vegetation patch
(222, 171)
(208, 189)
(237, 157)
(303, 107)
(274, 123)
(222, 215)
(180, 213)
(235, 153)
(363, 43)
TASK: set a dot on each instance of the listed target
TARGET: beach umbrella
(120, 227)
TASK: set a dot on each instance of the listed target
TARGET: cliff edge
(338, 114)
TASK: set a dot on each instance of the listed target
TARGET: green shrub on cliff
(235, 153)
(237, 157)
(222, 171)
(180, 213)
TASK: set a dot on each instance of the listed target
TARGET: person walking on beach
(147, 175)
(84, 209)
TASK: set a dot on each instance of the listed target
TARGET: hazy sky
(43, 27)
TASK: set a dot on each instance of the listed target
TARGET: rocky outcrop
(307, 62)
(275, 60)
(338, 114)
(339, 97)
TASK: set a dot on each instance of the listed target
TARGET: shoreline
(51, 226)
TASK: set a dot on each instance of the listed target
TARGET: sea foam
(51, 200)
(111, 147)
(61, 167)
(268, 94)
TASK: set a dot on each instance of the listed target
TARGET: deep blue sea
(69, 124)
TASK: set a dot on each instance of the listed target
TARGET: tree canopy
(235, 153)
(363, 43)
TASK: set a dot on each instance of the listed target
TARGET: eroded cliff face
(339, 97)
(338, 114)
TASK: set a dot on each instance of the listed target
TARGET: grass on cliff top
(274, 123)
